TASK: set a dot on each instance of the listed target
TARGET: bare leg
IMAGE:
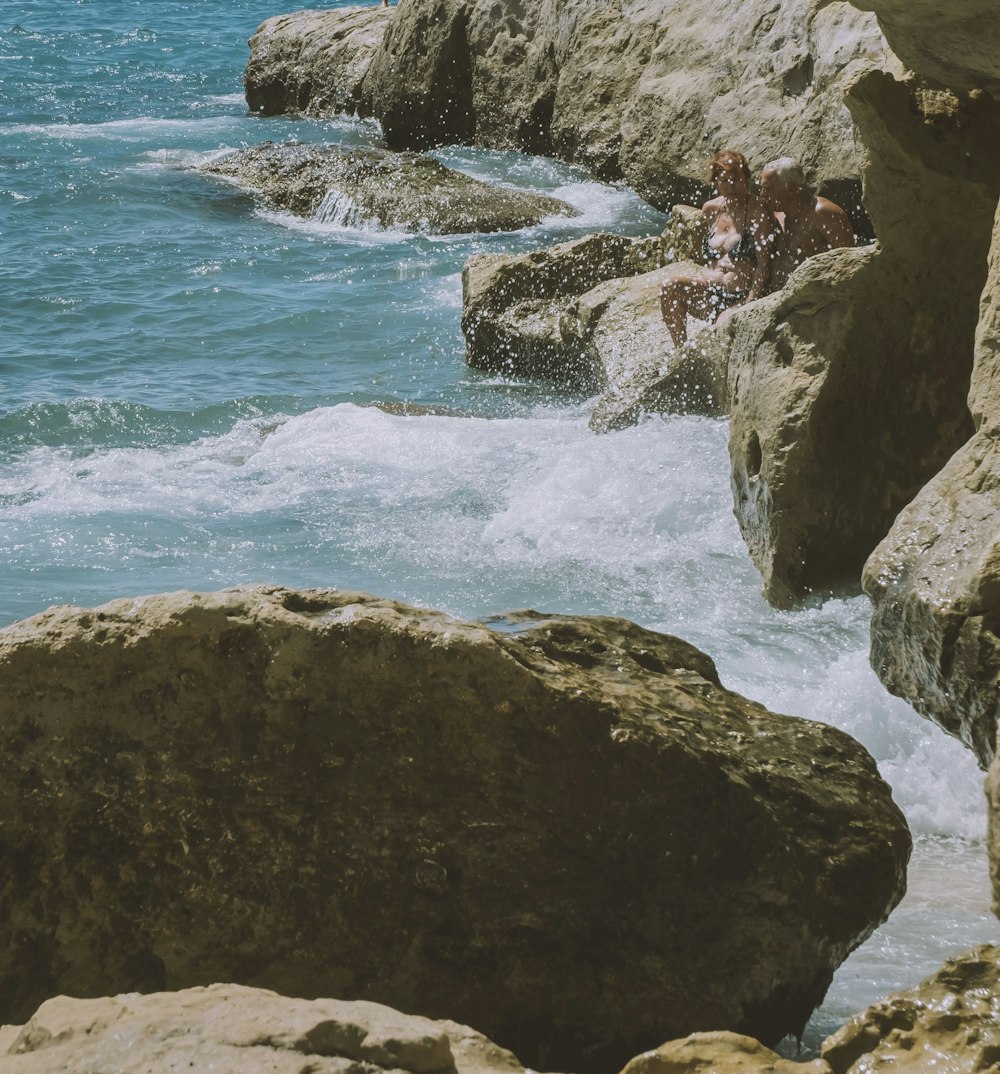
(694, 295)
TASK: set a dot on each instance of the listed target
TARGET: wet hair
(791, 175)
(729, 160)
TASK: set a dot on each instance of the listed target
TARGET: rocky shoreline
(563, 831)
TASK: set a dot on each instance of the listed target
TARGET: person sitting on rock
(809, 224)
(740, 234)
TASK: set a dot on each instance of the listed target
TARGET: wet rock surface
(228, 1029)
(564, 831)
(949, 1022)
(366, 187)
(314, 62)
(718, 1053)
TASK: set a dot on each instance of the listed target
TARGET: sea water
(186, 390)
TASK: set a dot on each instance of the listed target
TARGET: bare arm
(765, 233)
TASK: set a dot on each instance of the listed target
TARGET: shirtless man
(809, 224)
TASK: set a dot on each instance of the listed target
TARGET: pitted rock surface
(561, 830)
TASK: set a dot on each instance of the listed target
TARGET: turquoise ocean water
(186, 381)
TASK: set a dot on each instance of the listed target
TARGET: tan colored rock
(326, 793)
(949, 1022)
(228, 1029)
(518, 311)
(718, 1053)
(645, 91)
(956, 44)
(314, 62)
(364, 187)
(848, 388)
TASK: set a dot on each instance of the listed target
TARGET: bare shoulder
(829, 210)
(714, 207)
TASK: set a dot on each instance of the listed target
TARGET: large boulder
(361, 186)
(314, 62)
(848, 388)
(643, 91)
(718, 1053)
(562, 830)
(229, 1029)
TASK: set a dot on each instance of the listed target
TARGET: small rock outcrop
(314, 62)
(848, 388)
(586, 314)
(718, 1053)
(635, 91)
(949, 1022)
(229, 1029)
(562, 830)
(365, 187)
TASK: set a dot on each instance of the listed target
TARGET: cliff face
(643, 90)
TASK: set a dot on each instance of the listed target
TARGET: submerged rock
(564, 831)
(228, 1029)
(363, 187)
(314, 62)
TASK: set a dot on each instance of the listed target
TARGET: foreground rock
(564, 831)
(949, 1022)
(314, 62)
(363, 187)
(718, 1053)
(848, 387)
(637, 92)
(227, 1029)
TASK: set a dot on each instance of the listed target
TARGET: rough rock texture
(718, 1053)
(848, 388)
(518, 310)
(562, 830)
(949, 1022)
(935, 579)
(993, 828)
(228, 1029)
(360, 187)
(956, 44)
(314, 62)
(587, 314)
(644, 90)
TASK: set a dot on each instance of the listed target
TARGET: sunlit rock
(228, 1029)
(718, 1053)
(314, 62)
(644, 92)
(361, 187)
(561, 830)
(949, 1023)
(848, 388)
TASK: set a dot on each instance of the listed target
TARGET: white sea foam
(125, 129)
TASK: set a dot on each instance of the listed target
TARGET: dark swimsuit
(744, 250)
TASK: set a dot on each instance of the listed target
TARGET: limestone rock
(518, 310)
(562, 830)
(848, 388)
(956, 44)
(228, 1029)
(949, 1022)
(718, 1053)
(359, 187)
(644, 91)
(314, 62)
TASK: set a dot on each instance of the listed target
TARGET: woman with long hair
(736, 250)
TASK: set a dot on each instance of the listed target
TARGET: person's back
(810, 224)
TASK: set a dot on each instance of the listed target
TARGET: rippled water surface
(186, 380)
